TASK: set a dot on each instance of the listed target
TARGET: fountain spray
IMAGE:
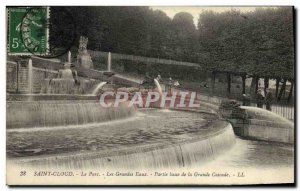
(69, 57)
(109, 62)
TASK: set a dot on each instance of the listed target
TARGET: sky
(195, 11)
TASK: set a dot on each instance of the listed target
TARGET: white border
(3, 48)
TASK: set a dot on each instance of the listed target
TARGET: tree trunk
(228, 82)
(283, 95)
(256, 84)
(266, 84)
(244, 84)
(291, 91)
(281, 90)
(277, 87)
(253, 86)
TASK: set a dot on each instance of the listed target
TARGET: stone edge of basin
(248, 127)
(226, 126)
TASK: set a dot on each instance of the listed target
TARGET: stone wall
(16, 77)
(23, 79)
(38, 77)
(49, 64)
(17, 74)
(55, 64)
(270, 132)
(260, 124)
(11, 77)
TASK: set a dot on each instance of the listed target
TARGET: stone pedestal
(84, 60)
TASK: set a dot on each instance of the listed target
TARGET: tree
(258, 43)
(183, 36)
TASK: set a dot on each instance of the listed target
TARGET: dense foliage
(258, 43)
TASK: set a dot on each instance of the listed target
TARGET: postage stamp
(28, 32)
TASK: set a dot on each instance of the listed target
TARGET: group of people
(169, 83)
(261, 99)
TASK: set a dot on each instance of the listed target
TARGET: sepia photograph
(150, 95)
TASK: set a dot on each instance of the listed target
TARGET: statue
(83, 44)
(83, 58)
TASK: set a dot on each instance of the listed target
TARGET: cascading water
(154, 139)
(30, 75)
(67, 82)
(181, 155)
(58, 86)
(158, 86)
(26, 114)
(64, 84)
(98, 87)
(174, 142)
(262, 114)
(109, 62)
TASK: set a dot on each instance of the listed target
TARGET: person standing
(259, 99)
(269, 99)
(246, 100)
(148, 82)
(158, 78)
(169, 86)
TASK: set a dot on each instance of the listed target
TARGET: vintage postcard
(145, 95)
